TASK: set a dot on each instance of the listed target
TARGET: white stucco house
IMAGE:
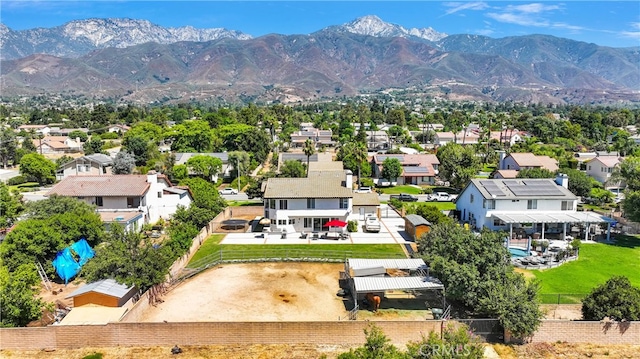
(151, 195)
(306, 204)
(600, 168)
(531, 205)
(90, 165)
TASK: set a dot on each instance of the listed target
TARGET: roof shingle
(102, 186)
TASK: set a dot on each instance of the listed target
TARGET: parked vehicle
(405, 197)
(363, 189)
(371, 224)
(441, 197)
(228, 191)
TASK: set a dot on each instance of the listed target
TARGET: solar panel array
(398, 157)
(533, 188)
(415, 169)
(492, 188)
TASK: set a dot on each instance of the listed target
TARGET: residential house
(509, 136)
(152, 195)
(89, 165)
(57, 131)
(463, 138)
(531, 206)
(416, 168)
(505, 174)
(378, 141)
(118, 128)
(57, 145)
(313, 159)
(600, 168)
(307, 204)
(40, 129)
(227, 168)
(317, 136)
(519, 161)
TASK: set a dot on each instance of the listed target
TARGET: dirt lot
(529, 351)
(255, 292)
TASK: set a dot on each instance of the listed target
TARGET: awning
(382, 284)
(552, 217)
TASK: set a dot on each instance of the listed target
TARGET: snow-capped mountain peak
(374, 26)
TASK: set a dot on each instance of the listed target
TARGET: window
(283, 204)
(589, 168)
(159, 194)
(497, 222)
(282, 222)
(272, 204)
(344, 202)
(129, 202)
(489, 204)
(311, 203)
(532, 204)
(471, 198)
(99, 202)
(567, 206)
(292, 221)
(308, 222)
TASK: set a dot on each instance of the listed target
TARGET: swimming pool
(518, 252)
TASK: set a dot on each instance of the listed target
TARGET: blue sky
(608, 23)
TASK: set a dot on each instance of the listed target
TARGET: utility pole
(238, 174)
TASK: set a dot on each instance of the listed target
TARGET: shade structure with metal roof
(393, 263)
(382, 284)
(552, 217)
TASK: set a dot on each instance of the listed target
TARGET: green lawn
(596, 264)
(443, 206)
(401, 189)
(212, 247)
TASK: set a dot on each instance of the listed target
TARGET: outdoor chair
(303, 235)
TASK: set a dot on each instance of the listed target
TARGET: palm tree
(359, 155)
(308, 149)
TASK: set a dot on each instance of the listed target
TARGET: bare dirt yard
(255, 292)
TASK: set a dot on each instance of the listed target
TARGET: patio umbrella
(335, 223)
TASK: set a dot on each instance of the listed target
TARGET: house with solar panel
(539, 208)
(416, 169)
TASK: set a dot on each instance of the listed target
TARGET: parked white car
(441, 197)
(363, 189)
(228, 191)
(371, 224)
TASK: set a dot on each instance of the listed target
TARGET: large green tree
(94, 145)
(478, 276)
(616, 299)
(191, 136)
(292, 169)
(205, 194)
(129, 258)
(458, 164)
(580, 183)
(123, 164)
(10, 205)
(18, 296)
(37, 167)
(8, 147)
(205, 166)
(391, 169)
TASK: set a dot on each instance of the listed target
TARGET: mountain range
(138, 61)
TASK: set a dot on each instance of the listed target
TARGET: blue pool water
(518, 252)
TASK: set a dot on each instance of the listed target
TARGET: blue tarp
(83, 250)
(65, 265)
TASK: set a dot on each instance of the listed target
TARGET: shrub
(352, 226)
(16, 180)
(109, 135)
(616, 299)
(396, 203)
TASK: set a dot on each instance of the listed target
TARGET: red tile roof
(102, 186)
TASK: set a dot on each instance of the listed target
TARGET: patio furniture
(314, 236)
(303, 235)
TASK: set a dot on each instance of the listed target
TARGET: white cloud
(455, 7)
(518, 19)
(534, 8)
(485, 32)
